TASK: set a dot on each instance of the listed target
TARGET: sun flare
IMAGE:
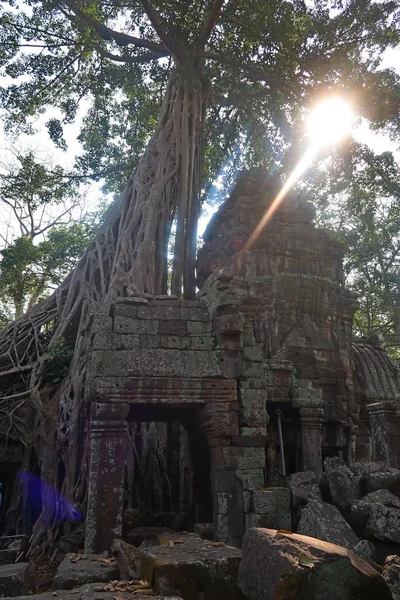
(330, 121)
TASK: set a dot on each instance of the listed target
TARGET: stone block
(199, 314)
(248, 336)
(343, 484)
(228, 525)
(222, 424)
(172, 328)
(251, 437)
(231, 363)
(115, 341)
(391, 573)
(204, 531)
(172, 341)
(387, 478)
(14, 579)
(128, 309)
(324, 522)
(189, 566)
(94, 568)
(143, 312)
(229, 324)
(126, 325)
(225, 481)
(249, 398)
(172, 313)
(101, 323)
(155, 363)
(251, 479)
(361, 509)
(253, 353)
(151, 327)
(252, 369)
(199, 327)
(266, 520)
(202, 342)
(266, 500)
(254, 416)
(296, 567)
(243, 458)
(304, 487)
(384, 523)
(150, 341)
(229, 502)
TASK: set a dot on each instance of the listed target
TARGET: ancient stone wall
(291, 288)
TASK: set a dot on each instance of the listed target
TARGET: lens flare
(329, 122)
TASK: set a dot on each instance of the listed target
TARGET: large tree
(226, 78)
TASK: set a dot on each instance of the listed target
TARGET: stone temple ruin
(261, 374)
(262, 371)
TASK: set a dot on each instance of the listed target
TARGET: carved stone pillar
(352, 445)
(385, 432)
(108, 436)
(310, 404)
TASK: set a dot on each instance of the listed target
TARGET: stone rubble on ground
(294, 567)
(324, 522)
(77, 569)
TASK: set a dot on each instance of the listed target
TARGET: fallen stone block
(14, 579)
(384, 523)
(138, 535)
(188, 566)
(385, 479)
(93, 591)
(278, 566)
(361, 509)
(77, 569)
(324, 522)
(304, 487)
(342, 485)
(204, 530)
(365, 550)
(391, 573)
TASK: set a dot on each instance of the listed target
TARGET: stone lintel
(163, 390)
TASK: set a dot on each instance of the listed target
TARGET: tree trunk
(129, 255)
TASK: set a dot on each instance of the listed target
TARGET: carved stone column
(310, 404)
(108, 436)
(385, 432)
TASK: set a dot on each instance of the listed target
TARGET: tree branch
(210, 22)
(131, 59)
(159, 25)
(122, 39)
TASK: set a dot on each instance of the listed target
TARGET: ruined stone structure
(261, 371)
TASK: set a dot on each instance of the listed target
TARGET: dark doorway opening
(168, 467)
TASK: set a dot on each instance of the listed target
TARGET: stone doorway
(179, 489)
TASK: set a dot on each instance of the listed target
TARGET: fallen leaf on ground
(305, 561)
(217, 544)
(284, 531)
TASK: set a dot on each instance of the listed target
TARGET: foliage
(358, 194)
(57, 360)
(265, 62)
(50, 243)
